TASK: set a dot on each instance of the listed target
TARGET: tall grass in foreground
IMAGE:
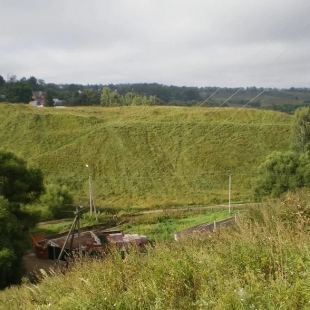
(262, 262)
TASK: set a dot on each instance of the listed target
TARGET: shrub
(58, 200)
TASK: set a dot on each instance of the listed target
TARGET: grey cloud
(198, 43)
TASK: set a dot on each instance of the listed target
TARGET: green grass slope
(146, 156)
(262, 262)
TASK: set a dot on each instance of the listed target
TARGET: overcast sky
(225, 43)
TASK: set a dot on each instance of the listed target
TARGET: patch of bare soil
(34, 264)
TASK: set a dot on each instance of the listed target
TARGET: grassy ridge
(146, 155)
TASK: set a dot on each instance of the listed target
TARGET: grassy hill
(146, 156)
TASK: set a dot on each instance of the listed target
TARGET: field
(146, 157)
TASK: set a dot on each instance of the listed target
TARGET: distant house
(39, 98)
(58, 103)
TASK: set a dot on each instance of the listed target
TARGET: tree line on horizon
(20, 91)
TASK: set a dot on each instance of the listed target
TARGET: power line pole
(229, 191)
(91, 201)
(76, 223)
(92, 207)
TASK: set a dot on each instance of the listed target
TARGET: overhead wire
(135, 175)
(215, 92)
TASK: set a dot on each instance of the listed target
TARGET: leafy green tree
(301, 129)
(2, 81)
(287, 171)
(12, 79)
(106, 97)
(90, 97)
(33, 83)
(128, 98)
(49, 99)
(57, 199)
(110, 98)
(116, 99)
(18, 92)
(303, 170)
(19, 183)
(282, 172)
(153, 100)
(85, 98)
(136, 100)
(13, 243)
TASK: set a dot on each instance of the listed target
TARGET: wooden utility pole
(229, 191)
(92, 208)
(76, 223)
